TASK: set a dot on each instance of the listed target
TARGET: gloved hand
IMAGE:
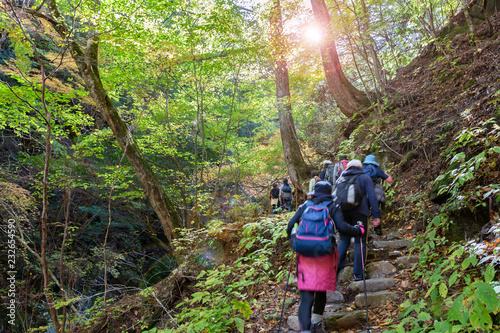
(361, 227)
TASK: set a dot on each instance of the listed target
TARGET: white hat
(327, 162)
(354, 163)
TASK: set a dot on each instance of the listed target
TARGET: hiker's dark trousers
(352, 218)
(307, 299)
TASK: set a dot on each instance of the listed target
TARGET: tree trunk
(379, 71)
(87, 62)
(297, 168)
(349, 99)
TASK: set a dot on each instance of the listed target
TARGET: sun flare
(313, 34)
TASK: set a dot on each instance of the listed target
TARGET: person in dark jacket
(359, 214)
(322, 175)
(286, 195)
(372, 169)
(317, 275)
(274, 196)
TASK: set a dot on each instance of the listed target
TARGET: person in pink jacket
(317, 275)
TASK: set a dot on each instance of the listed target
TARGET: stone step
(344, 320)
(375, 299)
(392, 244)
(407, 261)
(380, 269)
(334, 297)
(373, 285)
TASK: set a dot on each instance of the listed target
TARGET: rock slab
(372, 285)
(375, 299)
(393, 244)
(380, 269)
(344, 320)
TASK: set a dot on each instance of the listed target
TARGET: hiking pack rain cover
(315, 231)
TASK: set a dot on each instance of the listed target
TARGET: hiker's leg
(305, 305)
(358, 265)
(344, 243)
(319, 308)
(319, 303)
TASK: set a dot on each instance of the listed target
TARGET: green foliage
(458, 293)
(207, 308)
(463, 179)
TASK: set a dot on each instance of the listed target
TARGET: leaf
(487, 296)
(443, 290)
(466, 263)
(442, 326)
(489, 274)
(455, 311)
(453, 278)
(240, 324)
(424, 316)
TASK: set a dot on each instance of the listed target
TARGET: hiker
(314, 179)
(372, 169)
(274, 196)
(326, 163)
(286, 195)
(316, 275)
(335, 170)
(356, 212)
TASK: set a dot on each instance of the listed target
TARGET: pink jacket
(317, 274)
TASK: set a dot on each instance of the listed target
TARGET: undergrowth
(458, 291)
(226, 293)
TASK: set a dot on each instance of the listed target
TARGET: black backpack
(275, 192)
(348, 191)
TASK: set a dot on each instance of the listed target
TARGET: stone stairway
(346, 309)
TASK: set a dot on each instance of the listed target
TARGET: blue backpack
(315, 231)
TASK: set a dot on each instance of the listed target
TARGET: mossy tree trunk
(87, 62)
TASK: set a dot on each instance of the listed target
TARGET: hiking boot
(360, 277)
(317, 328)
(378, 230)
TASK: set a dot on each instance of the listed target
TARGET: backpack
(287, 191)
(379, 192)
(334, 171)
(315, 233)
(275, 192)
(348, 191)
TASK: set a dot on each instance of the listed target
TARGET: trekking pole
(368, 329)
(284, 297)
